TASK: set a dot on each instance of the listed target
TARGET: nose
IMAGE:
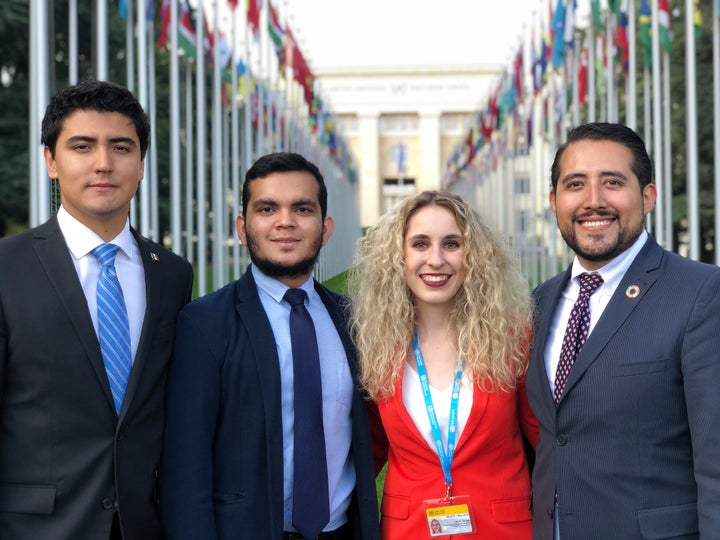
(103, 160)
(595, 196)
(435, 257)
(286, 217)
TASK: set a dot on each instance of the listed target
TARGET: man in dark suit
(229, 463)
(630, 432)
(79, 455)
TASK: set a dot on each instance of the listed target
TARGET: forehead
(96, 123)
(285, 187)
(600, 155)
(433, 219)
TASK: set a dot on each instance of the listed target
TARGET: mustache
(596, 214)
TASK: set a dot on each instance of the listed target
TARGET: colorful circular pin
(632, 291)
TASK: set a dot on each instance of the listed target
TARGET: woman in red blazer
(441, 318)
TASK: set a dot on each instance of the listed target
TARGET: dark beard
(301, 268)
(625, 239)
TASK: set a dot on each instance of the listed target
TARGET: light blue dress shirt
(337, 391)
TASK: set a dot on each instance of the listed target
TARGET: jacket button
(108, 504)
(119, 436)
(561, 440)
(550, 513)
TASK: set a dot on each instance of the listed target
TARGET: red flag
(165, 24)
(253, 15)
(233, 4)
(583, 76)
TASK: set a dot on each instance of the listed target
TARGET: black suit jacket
(221, 475)
(67, 461)
(634, 445)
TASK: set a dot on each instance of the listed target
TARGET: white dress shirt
(131, 273)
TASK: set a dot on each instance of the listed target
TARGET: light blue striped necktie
(113, 325)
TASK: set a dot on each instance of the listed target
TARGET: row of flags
(292, 66)
(548, 55)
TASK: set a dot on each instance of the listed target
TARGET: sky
(360, 33)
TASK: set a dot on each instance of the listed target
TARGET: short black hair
(279, 162)
(92, 95)
(641, 165)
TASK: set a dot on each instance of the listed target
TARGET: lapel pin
(154, 257)
(632, 291)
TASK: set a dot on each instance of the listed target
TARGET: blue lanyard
(446, 457)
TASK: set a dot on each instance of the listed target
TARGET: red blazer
(489, 466)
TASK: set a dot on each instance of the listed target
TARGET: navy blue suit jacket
(634, 444)
(222, 469)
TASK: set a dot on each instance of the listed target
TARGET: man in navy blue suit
(630, 432)
(227, 467)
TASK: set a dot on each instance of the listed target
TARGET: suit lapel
(262, 342)
(640, 274)
(153, 291)
(55, 258)
(544, 313)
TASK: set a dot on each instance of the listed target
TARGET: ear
(240, 228)
(649, 195)
(50, 163)
(328, 228)
(552, 202)
(141, 170)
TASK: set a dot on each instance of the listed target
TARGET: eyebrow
(272, 202)
(572, 176)
(89, 139)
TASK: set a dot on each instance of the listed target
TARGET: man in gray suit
(629, 425)
(81, 415)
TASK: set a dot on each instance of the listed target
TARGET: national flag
(275, 29)
(519, 73)
(645, 22)
(233, 4)
(697, 19)
(294, 58)
(569, 28)
(596, 18)
(149, 13)
(558, 29)
(164, 23)
(253, 14)
(583, 74)
(622, 36)
(664, 22)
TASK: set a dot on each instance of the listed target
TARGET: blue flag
(558, 26)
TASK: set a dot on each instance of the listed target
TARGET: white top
(414, 402)
(81, 241)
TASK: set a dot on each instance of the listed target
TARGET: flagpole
(142, 97)
(152, 98)
(189, 145)
(657, 130)
(101, 40)
(201, 111)
(235, 138)
(39, 196)
(716, 123)
(609, 70)
(72, 42)
(631, 95)
(667, 151)
(591, 105)
(217, 155)
(175, 150)
(691, 137)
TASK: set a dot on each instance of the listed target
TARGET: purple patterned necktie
(576, 331)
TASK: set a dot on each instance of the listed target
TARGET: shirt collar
(276, 289)
(81, 240)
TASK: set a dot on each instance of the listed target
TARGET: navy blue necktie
(113, 324)
(311, 509)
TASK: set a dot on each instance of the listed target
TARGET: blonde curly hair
(491, 314)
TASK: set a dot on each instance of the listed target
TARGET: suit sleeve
(528, 422)
(379, 438)
(701, 374)
(192, 404)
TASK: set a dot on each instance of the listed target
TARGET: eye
(265, 210)
(122, 149)
(452, 244)
(304, 210)
(420, 244)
